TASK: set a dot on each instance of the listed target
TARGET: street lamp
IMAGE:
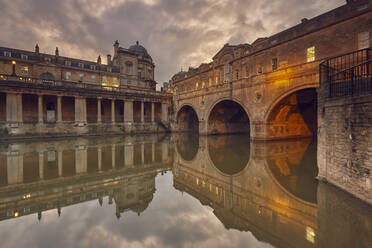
(13, 72)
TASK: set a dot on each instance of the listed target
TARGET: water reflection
(267, 191)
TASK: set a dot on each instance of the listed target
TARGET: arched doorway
(187, 120)
(293, 116)
(228, 117)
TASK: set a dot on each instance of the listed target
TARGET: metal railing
(348, 74)
(30, 81)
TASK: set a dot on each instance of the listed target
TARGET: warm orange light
(16, 214)
(13, 62)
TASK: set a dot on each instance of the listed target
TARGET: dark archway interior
(294, 116)
(187, 146)
(228, 117)
(229, 154)
(187, 120)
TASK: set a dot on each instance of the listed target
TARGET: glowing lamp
(13, 62)
(16, 214)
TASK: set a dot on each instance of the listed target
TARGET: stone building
(268, 88)
(44, 94)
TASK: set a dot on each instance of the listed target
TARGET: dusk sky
(176, 33)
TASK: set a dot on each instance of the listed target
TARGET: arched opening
(294, 116)
(187, 120)
(187, 146)
(229, 154)
(293, 163)
(228, 117)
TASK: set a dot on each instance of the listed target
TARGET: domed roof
(137, 48)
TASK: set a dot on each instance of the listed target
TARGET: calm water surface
(173, 191)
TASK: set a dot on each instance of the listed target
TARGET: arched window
(129, 68)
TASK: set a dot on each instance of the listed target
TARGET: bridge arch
(228, 116)
(187, 119)
(293, 114)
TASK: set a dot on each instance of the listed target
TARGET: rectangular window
(259, 69)
(24, 57)
(47, 59)
(104, 79)
(81, 65)
(7, 54)
(237, 75)
(93, 78)
(81, 77)
(109, 69)
(363, 40)
(216, 80)
(227, 72)
(93, 67)
(67, 63)
(139, 74)
(210, 82)
(24, 70)
(68, 75)
(274, 64)
(310, 57)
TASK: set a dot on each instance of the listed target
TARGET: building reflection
(40, 176)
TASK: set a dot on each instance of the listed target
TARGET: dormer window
(24, 57)
(7, 54)
(67, 63)
(81, 65)
(93, 67)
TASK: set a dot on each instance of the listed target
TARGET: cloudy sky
(177, 33)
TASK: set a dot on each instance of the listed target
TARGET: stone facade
(262, 77)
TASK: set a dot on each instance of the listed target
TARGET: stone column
(19, 108)
(59, 159)
(59, 109)
(152, 112)
(164, 149)
(41, 165)
(142, 112)
(128, 150)
(128, 111)
(13, 108)
(153, 152)
(80, 110)
(113, 155)
(113, 110)
(99, 113)
(143, 153)
(81, 159)
(15, 168)
(99, 151)
(164, 112)
(40, 109)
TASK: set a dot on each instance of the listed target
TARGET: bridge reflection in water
(268, 189)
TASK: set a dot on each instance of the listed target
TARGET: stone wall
(345, 142)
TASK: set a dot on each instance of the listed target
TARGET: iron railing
(30, 81)
(348, 74)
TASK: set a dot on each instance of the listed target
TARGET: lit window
(216, 80)
(68, 75)
(274, 64)
(24, 57)
(81, 65)
(203, 85)
(310, 54)
(24, 70)
(363, 40)
(94, 78)
(67, 63)
(104, 79)
(7, 54)
(259, 69)
(197, 85)
(310, 234)
(210, 81)
(92, 67)
(81, 76)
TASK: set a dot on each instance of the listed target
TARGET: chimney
(99, 60)
(116, 47)
(108, 59)
(37, 48)
(57, 52)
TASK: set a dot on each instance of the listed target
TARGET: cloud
(176, 33)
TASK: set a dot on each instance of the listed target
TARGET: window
(216, 80)
(203, 85)
(259, 69)
(115, 81)
(363, 40)
(274, 64)
(104, 79)
(67, 63)
(139, 74)
(68, 75)
(196, 85)
(47, 59)
(81, 65)
(24, 70)
(93, 77)
(93, 67)
(109, 69)
(310, 57)
(7, 54)
(128, 69)
(227, 72)
(237, 75)
(24, 57)
(210, 81)
(81, 77)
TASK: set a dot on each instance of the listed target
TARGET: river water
(173, 191)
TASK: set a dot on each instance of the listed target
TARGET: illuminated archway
(228, 117)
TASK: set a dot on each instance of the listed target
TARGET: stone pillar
(59, 159)
(128, 111)
(164, 152)
(113, 110)
(40, 109)
(164, 112)
(15, 168)
(81, 160)
(113, 153)
(99, 113)
(80, 110)
(41, 165)
(59, 109)
(128, 150)
(152, 112)
(99, 151)
(142, 112)
(13, 107)
(143, 153)
(153, 152)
